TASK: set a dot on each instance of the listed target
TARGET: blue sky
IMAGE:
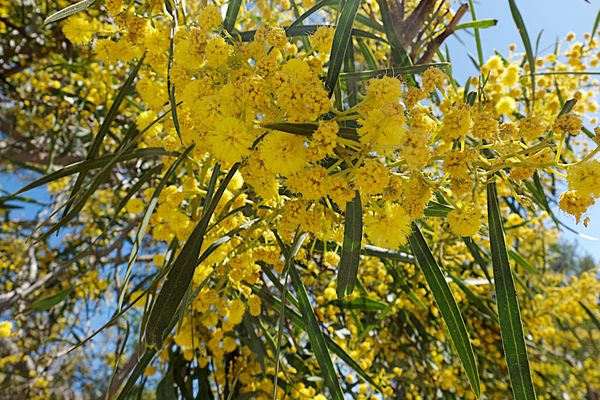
(562, 17)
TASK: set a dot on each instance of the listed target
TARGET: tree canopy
(293, 199)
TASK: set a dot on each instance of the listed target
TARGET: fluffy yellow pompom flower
(276, 37)
(456, 123)
(434, 78)
(383, 127)
(311, 183)
(585, 178)
(388, 227)
(382, 91)
(255, 174)
(466, 221)
(574, 203)
(567, 123)
(210, 17)
(79, 29)
(230, 140)
(254, 304)
(217, 52)
(5, 328)
(532, 127)
(283, 153)
(237, 308)
(372, 177)
(324, 140)
(135, 205)
(301, 95)
(485, 126)
(511, 75)
(506, 105)
(322, 39)
(114, 7)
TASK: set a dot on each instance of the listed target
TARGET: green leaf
(331, 344)
(316, 338)
(180, 276)
(139, 369)
(318, 5)
(591, 314)
(68, 11)
(379, 252)
(393, 71)
(342, 38)
(87, 165)
(516, 14)
(511, 327)
(308, 129)
(473, 298)
(367, 54)
(348, 268)
(568, 106)
(233, 10)
(436, 209)
(399, 54)
(141, 231)
(165, 390)
(46, 303)
(360, 303)
(447, 305)
(514, 254)
(594, 28)
(479, 24)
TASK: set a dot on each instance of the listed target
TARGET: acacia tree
(291, 200)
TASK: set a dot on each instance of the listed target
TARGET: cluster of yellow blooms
(261, 103)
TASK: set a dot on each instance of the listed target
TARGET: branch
(435, 44)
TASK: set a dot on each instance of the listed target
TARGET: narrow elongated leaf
(138, 370)
(479, 24)
(393, 71)
(308, 129)
(353, 227)
(141, 231)
(342, 38)
(474, 299)
(595, 27)
(165, 390)
(318, 5)
(87, 165)
(447, 305)
(178, 280)
(516, 14)
(297, 319)
(367, 54)
(511, 327)
(233, 9)
(68, 11)
(514, 254)
(48, 302)
(399, 54)
(379, 252)
(147, 176)
(568, 106)
(436, 209)
(316, 338)
(591, 314)
(360, 303)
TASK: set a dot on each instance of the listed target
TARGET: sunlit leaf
(509, 314)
